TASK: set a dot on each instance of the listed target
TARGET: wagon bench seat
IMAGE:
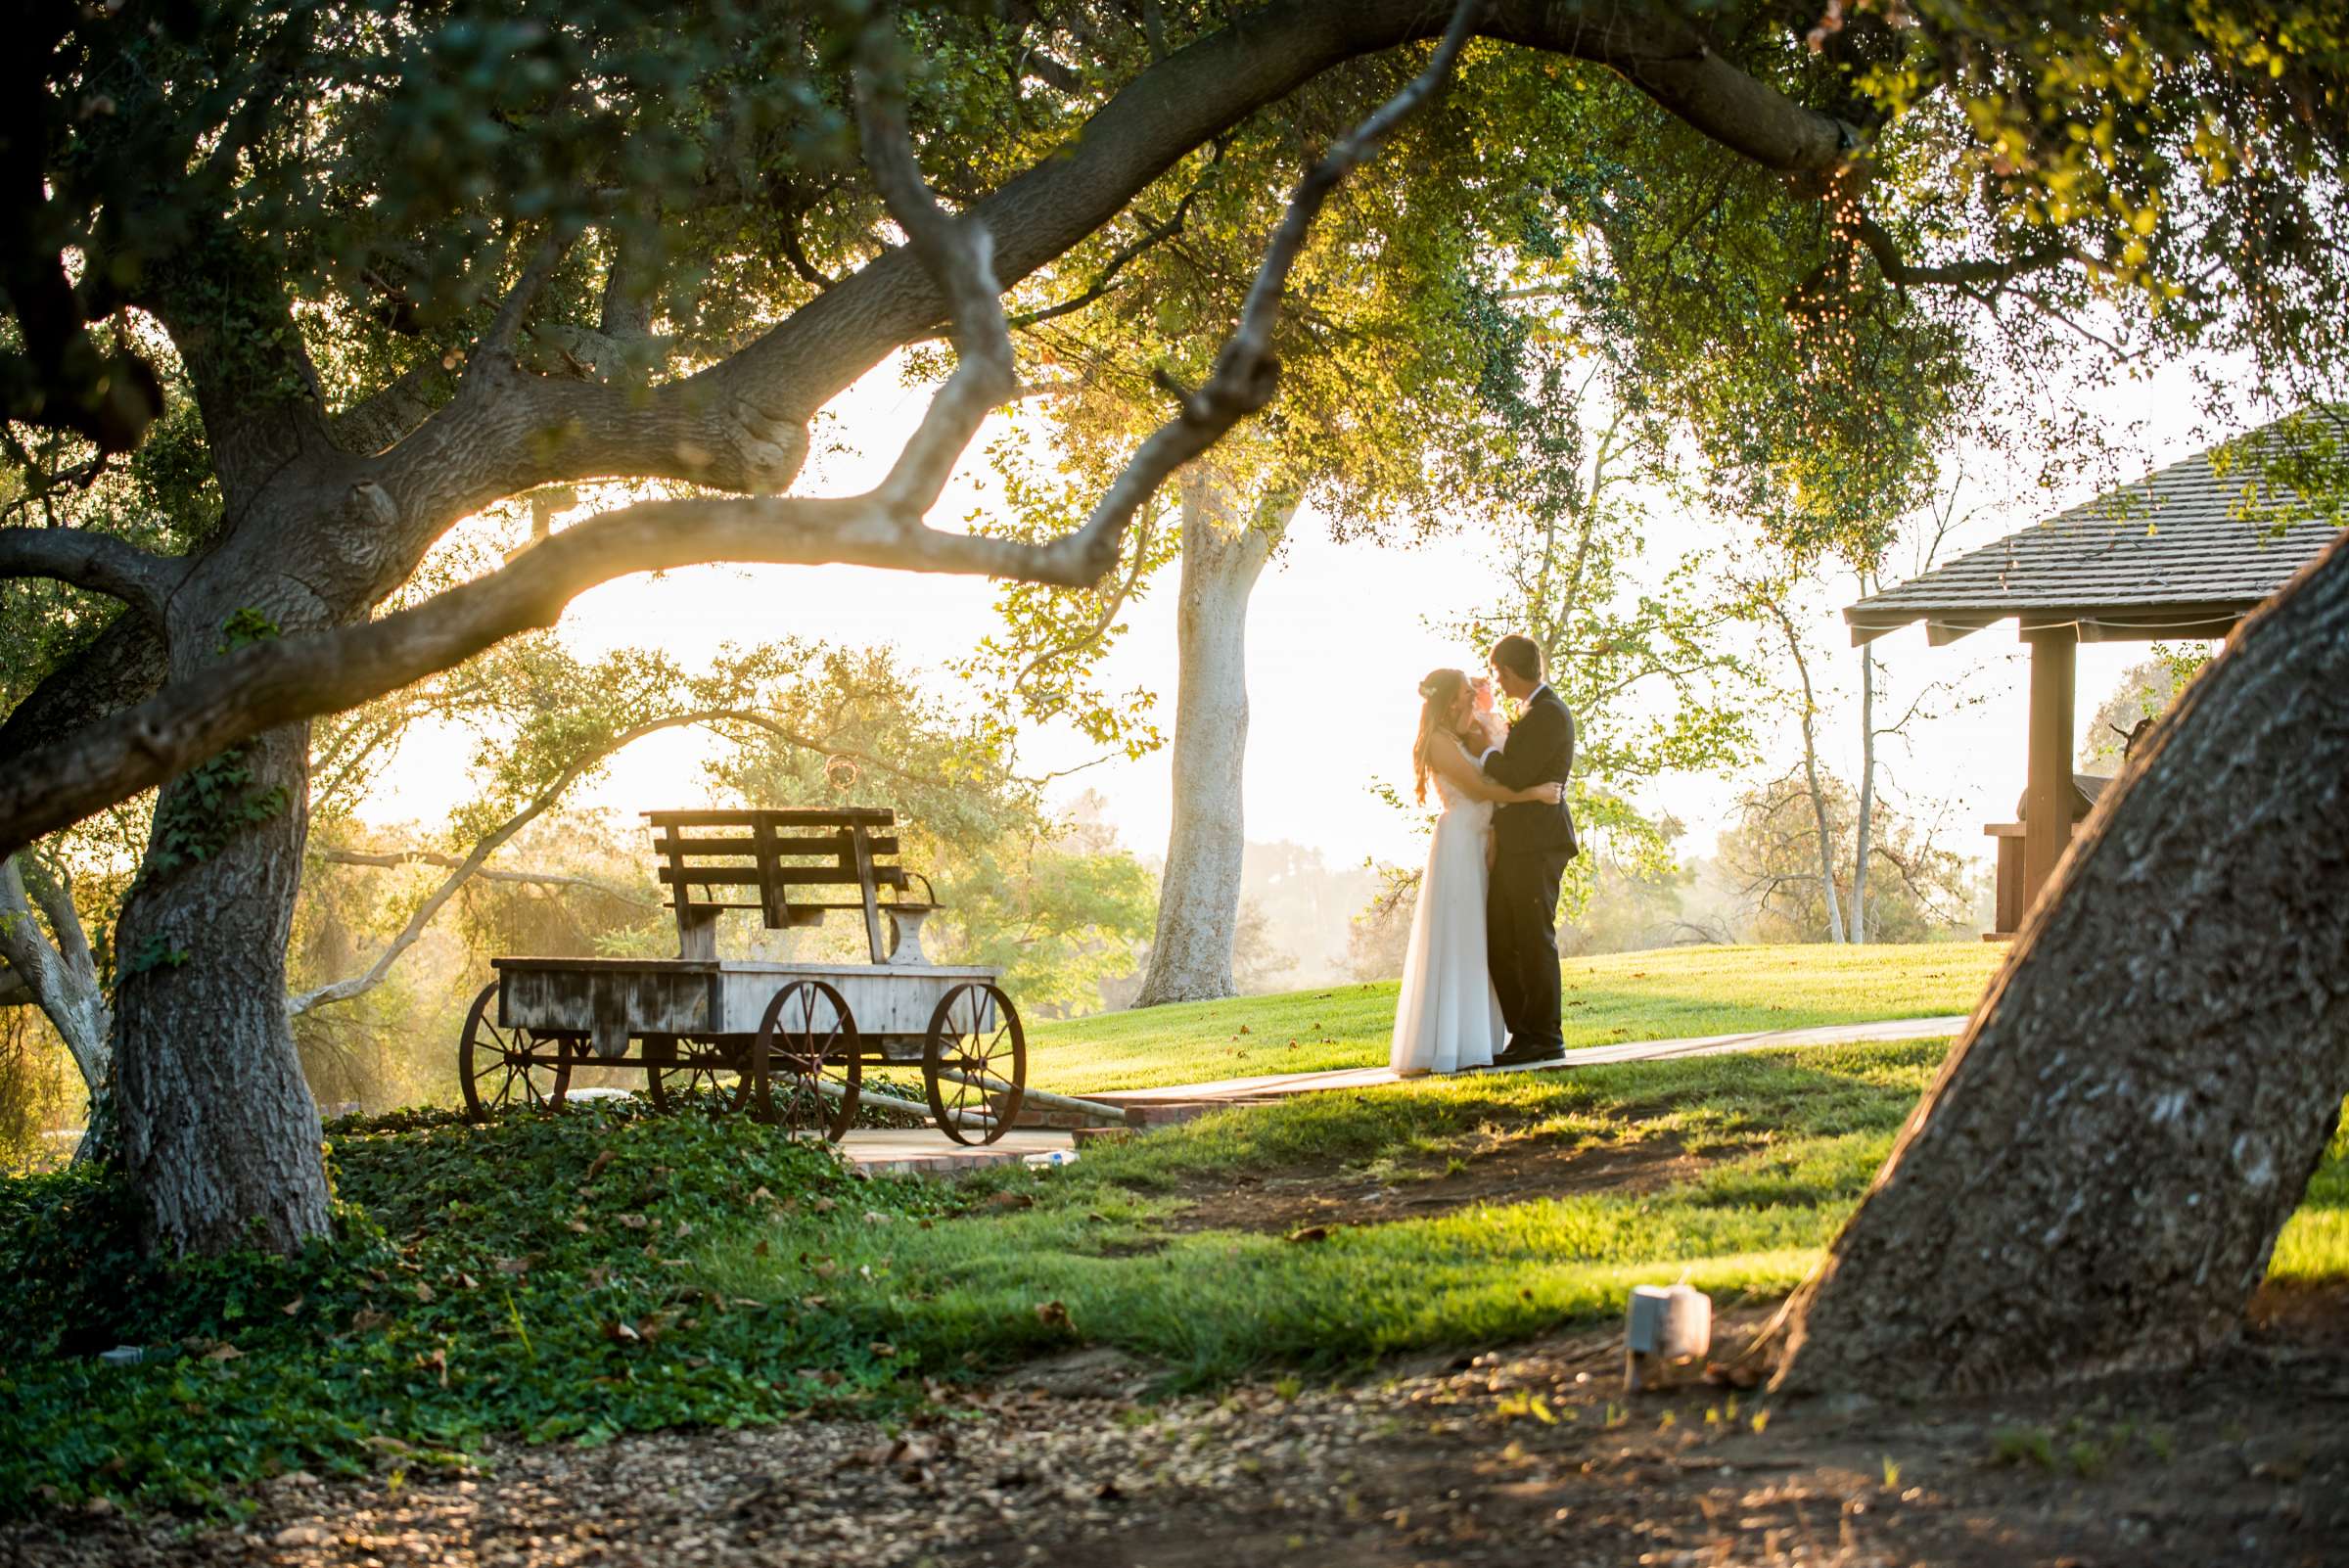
(779, 853)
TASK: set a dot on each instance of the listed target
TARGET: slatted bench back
(785, 856)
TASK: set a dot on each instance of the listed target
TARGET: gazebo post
(2047, 793)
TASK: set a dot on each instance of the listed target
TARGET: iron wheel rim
(961, 1042)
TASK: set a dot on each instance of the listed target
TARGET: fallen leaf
(468, 1281)
(824, 1205)
(622, 1333)
(1243, 1029)
(595, 1167)
(516, 1266)
(294, 1306)
(1311, 1233)
(299, 1536)
(761, 1250)
(368, 1318)
(1012, 1200)
(424, 1292)
(1053, 1314)
(579, 1226)
(632, 1221)
(883, 1348)
(223, 1353)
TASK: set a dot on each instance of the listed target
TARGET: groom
(1532, 844)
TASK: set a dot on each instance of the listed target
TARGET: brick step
(1061, 1121)
(1146, 1114)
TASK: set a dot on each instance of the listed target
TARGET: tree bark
(216, 1130)
(1224, 547)
(58, 973)
(2096, 1180)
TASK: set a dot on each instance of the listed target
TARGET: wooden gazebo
(2184, 552)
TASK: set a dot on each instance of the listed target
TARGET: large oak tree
(403, 262)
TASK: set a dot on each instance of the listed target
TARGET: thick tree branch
(393, 860)
(958, 257)
(57, 970)
(92, 560)
(379, 420)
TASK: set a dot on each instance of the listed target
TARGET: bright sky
(1338, 640)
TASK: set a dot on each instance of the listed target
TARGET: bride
(1447, 1018)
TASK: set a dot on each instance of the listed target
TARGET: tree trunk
(1867, 793)
(2097, 1179)
(216, 1130)
(60, 977)
(1224, 547)
(1819, 798)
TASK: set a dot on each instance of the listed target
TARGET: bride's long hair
(1439, 694)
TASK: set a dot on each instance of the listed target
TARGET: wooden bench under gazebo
(2186, 552)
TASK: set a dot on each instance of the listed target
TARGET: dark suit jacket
(1540, 750)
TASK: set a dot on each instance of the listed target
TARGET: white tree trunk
(1867, 793)
(1225, 544)
(1819, 799)
(58, 971)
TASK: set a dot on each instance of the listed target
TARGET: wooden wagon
(786, 1042)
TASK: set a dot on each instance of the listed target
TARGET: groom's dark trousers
(1532, 844)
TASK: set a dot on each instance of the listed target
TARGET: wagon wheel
(804, 1068)
(674, 1066)
(988, 1059)
(501, 1066)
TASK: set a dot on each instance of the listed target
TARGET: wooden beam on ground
(2047, 794)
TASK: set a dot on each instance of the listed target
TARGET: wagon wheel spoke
(965, 1060)
(693, 1070)
(497, 1068)
(807, 1051)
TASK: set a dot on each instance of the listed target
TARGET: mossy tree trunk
(2096, 1180)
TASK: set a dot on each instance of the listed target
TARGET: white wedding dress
(1449, 1017)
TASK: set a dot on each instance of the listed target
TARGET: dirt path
(1505, 1169)
(1524, 1456)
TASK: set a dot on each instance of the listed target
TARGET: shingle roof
(2186, 551)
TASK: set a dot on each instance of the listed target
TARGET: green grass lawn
(568, 1277)
(1104, 1253)
(1664, 994)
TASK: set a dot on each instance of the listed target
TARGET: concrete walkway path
(928, 1151)
(1276, 1084)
